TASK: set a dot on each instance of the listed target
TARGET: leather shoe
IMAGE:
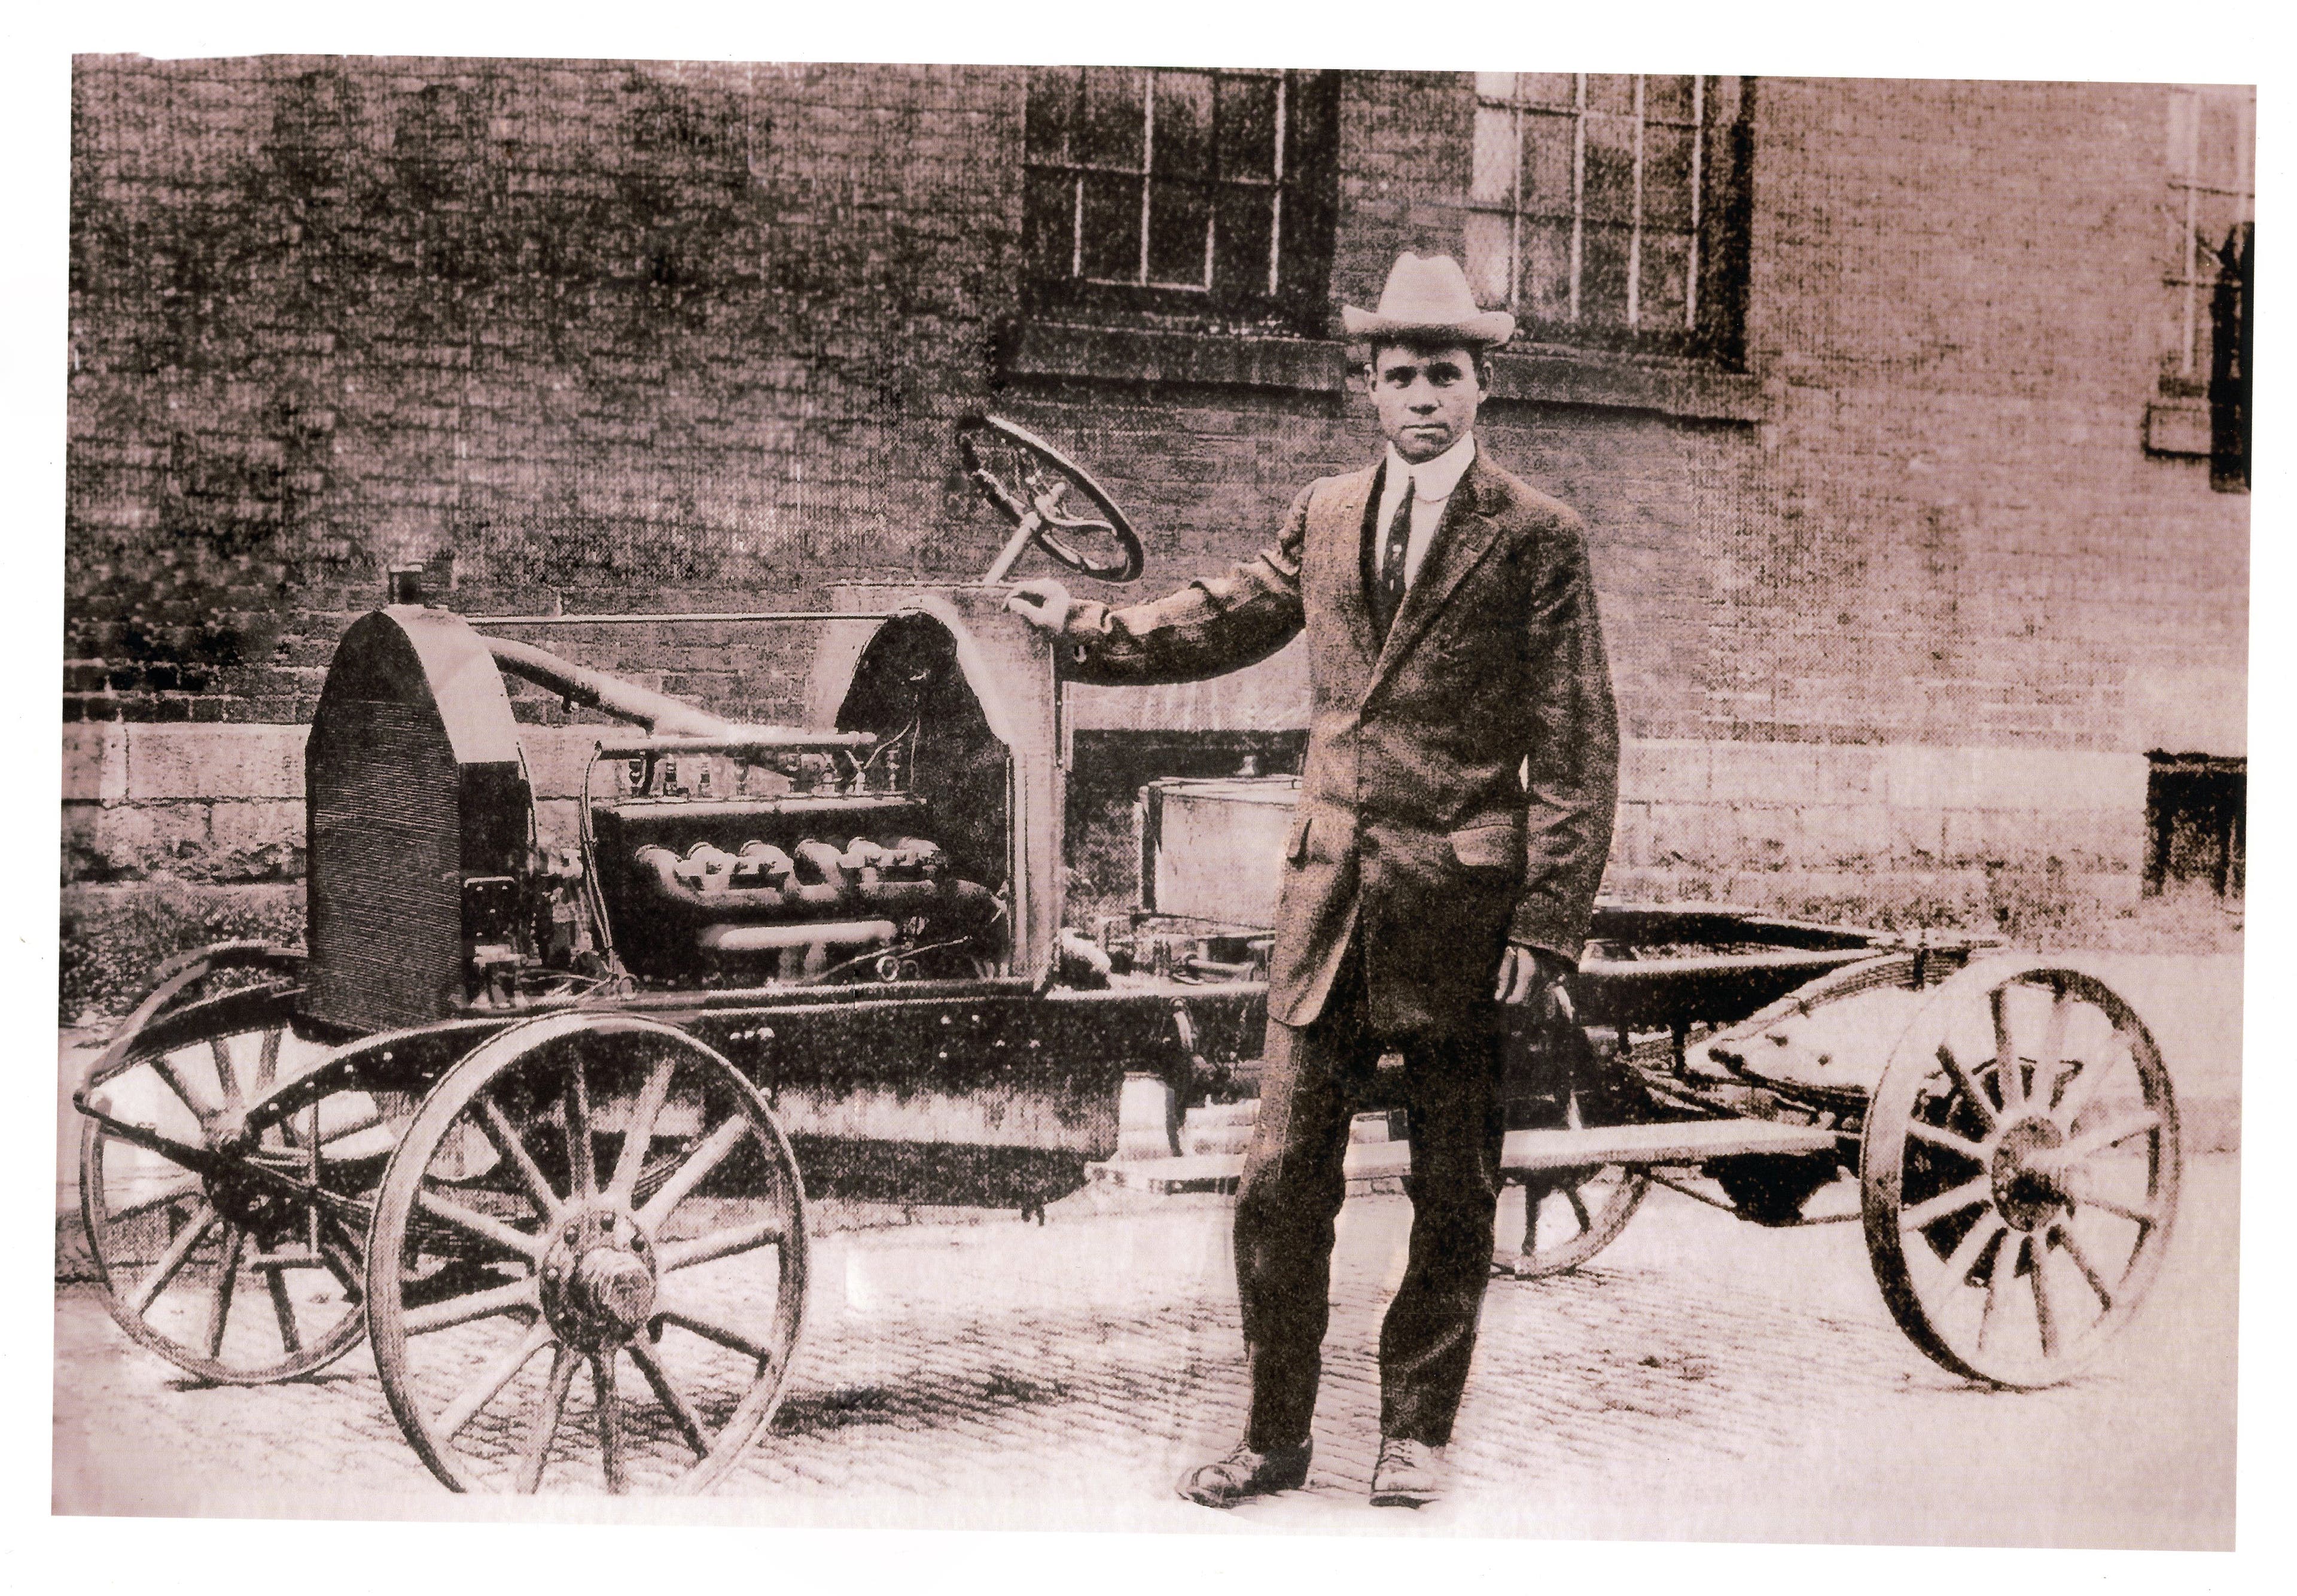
(1245, 1474)
(1409, 1474)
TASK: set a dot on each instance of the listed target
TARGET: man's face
(1427, 398)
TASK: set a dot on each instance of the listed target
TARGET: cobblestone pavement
(1702, 1379)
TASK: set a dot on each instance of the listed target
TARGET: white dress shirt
(1432, 482)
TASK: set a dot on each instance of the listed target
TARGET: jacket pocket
(1495, 845)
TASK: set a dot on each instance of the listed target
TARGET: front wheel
(588, 1268)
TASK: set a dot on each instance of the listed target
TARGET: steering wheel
(1029, 480)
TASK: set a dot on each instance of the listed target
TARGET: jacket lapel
(1336, 540)
(1463, 538)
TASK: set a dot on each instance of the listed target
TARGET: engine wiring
(905, 955)
(907, 736)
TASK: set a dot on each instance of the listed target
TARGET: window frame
(1721, 204)
(2194, 271)
(1303, 189)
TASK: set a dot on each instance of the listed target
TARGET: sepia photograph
(1319, 801)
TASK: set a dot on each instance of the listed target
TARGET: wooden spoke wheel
(1570, 1215)
(588, 1269)
(229, 1240)
(2020, 1171)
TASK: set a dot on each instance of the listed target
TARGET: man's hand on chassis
(1044, 604)
(1533, 978)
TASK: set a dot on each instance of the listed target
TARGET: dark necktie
(1387, 585)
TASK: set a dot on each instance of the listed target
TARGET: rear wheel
(228, 1240)
(1570, 1215)
(588, 1262)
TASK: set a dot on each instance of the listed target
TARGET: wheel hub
(2025, 1174)
(245, 1200)
(598, 1277)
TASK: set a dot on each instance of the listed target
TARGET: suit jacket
(1460, 778)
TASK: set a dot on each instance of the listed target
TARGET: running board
(1527, 1152)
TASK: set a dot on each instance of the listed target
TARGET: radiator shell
(413, 784)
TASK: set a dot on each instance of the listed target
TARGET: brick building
(1889, 406)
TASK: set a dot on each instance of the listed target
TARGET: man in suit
(1454, 816)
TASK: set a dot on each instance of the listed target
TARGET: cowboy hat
(1424, 297)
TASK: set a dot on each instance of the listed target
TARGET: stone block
(1664, 771)
(2059, 779)
(255, 840)
(1847, 773)
(130, 841)
(1756, 836)
(1928, 778)
(1680, 834)
(245, 760)
(1760, 772)
(1917, 835)
(96, 763)
(1631, 834)
(558, 822)
(2047, 779)
(1835, 835)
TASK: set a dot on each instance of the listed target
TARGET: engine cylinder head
(824, 863)
(763, 864)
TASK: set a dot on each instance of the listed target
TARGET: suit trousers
(1293, 1186)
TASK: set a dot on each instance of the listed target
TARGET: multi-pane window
(1600, 205)
(2211, 194)
(1193, 191)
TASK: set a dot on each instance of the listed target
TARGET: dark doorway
(2196, 820)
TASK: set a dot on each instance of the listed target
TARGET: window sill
(1097, 354)
(1545, 375)
(2179, 427)
(1692, 388)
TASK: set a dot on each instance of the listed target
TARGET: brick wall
(605, 331)
(1945, 530)
(1958, 536)
(658, 335)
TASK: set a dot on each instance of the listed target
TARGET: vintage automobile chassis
(522, 1098)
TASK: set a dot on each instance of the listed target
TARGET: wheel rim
(228, 1241)
(539, 1328)
(1570, 1215)
(2019, 1172)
